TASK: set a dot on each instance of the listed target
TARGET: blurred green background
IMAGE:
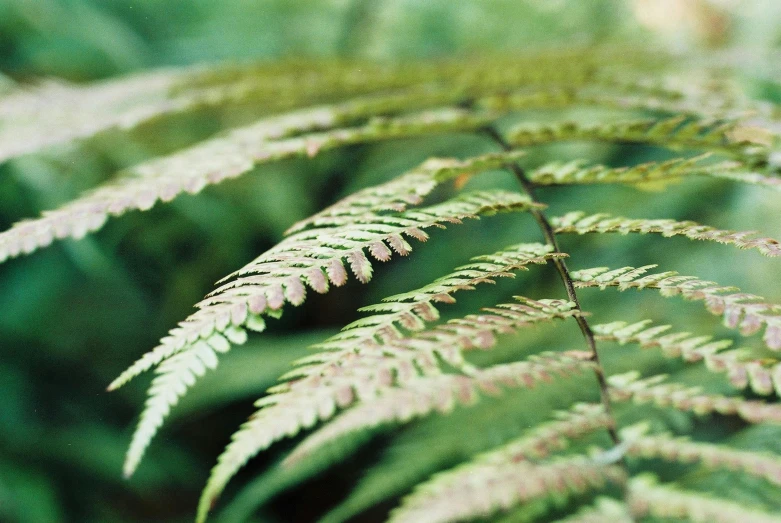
(76, 314)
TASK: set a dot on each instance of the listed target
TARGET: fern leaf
(762, 376)
(648, 498)
(216, 160)
(538, 443)
(504, 486)
(709, 455)
(265, 285)
(367, 353)
(576, 172)
(605, 509)
(418, 396)
(55, 112)
(677, 133)
(627, 387)
(700, 105)
(581, 223)
(746, 312)
(405, 190)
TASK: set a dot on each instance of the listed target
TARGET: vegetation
(540, 394)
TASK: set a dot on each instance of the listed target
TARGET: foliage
(512, 402)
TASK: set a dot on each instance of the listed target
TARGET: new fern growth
(410, 357)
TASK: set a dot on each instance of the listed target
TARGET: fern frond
(538, 442)
(581, 223)
(712, 456)
(677, 132)
(367, 353)
(55, 112)
(279, 276)
(504, 486)
(578, 172)
(393, 404)
(760, 375)
(699, 105)
(627, 387)
(604, 509)
(649, 498)
(219, 159)
(746, 312)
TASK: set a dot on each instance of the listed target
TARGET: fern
(415, 357)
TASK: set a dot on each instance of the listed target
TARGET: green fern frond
(311, 257)
(217, 160)
(629, 388)
(746, 312)
(505, 486)
(420, 396)
(708, 455)
(581, 223)
(731, 138)
(401, 362)
(762, 376)
(538, 443)
(604, 509)
(648, 498)
(367, 353)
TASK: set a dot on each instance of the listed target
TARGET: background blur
(74, 315)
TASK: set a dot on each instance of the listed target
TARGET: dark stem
(561, 267)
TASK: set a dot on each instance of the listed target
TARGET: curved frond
(604, 509)
(762, 376)
(746, 312)
(419, 396)
(581, 223)
(679, 132)
(405, 190)
(503, 486)
(649, 498)
(578, 172)
(311, 257)
(219, 159)
(712, 456)
(537, 443)
(368, 353)
(627, 387)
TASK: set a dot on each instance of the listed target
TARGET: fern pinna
(408, 359)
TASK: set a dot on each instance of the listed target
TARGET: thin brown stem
(561, 267)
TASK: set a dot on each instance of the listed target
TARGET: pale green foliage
(402, 362)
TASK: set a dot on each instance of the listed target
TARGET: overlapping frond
(712, 456)
(762, 376)
(629, 388)
(311, 257)
(648, 498)
(219, 159)
(373, 353)
(604, 509)
(504, 486)
(400, 362)
(747, 312)
(420, 396)
(579, 172)
(491, 467)
(732, 138)
(582, 223)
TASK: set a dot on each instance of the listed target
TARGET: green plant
(410, 357)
